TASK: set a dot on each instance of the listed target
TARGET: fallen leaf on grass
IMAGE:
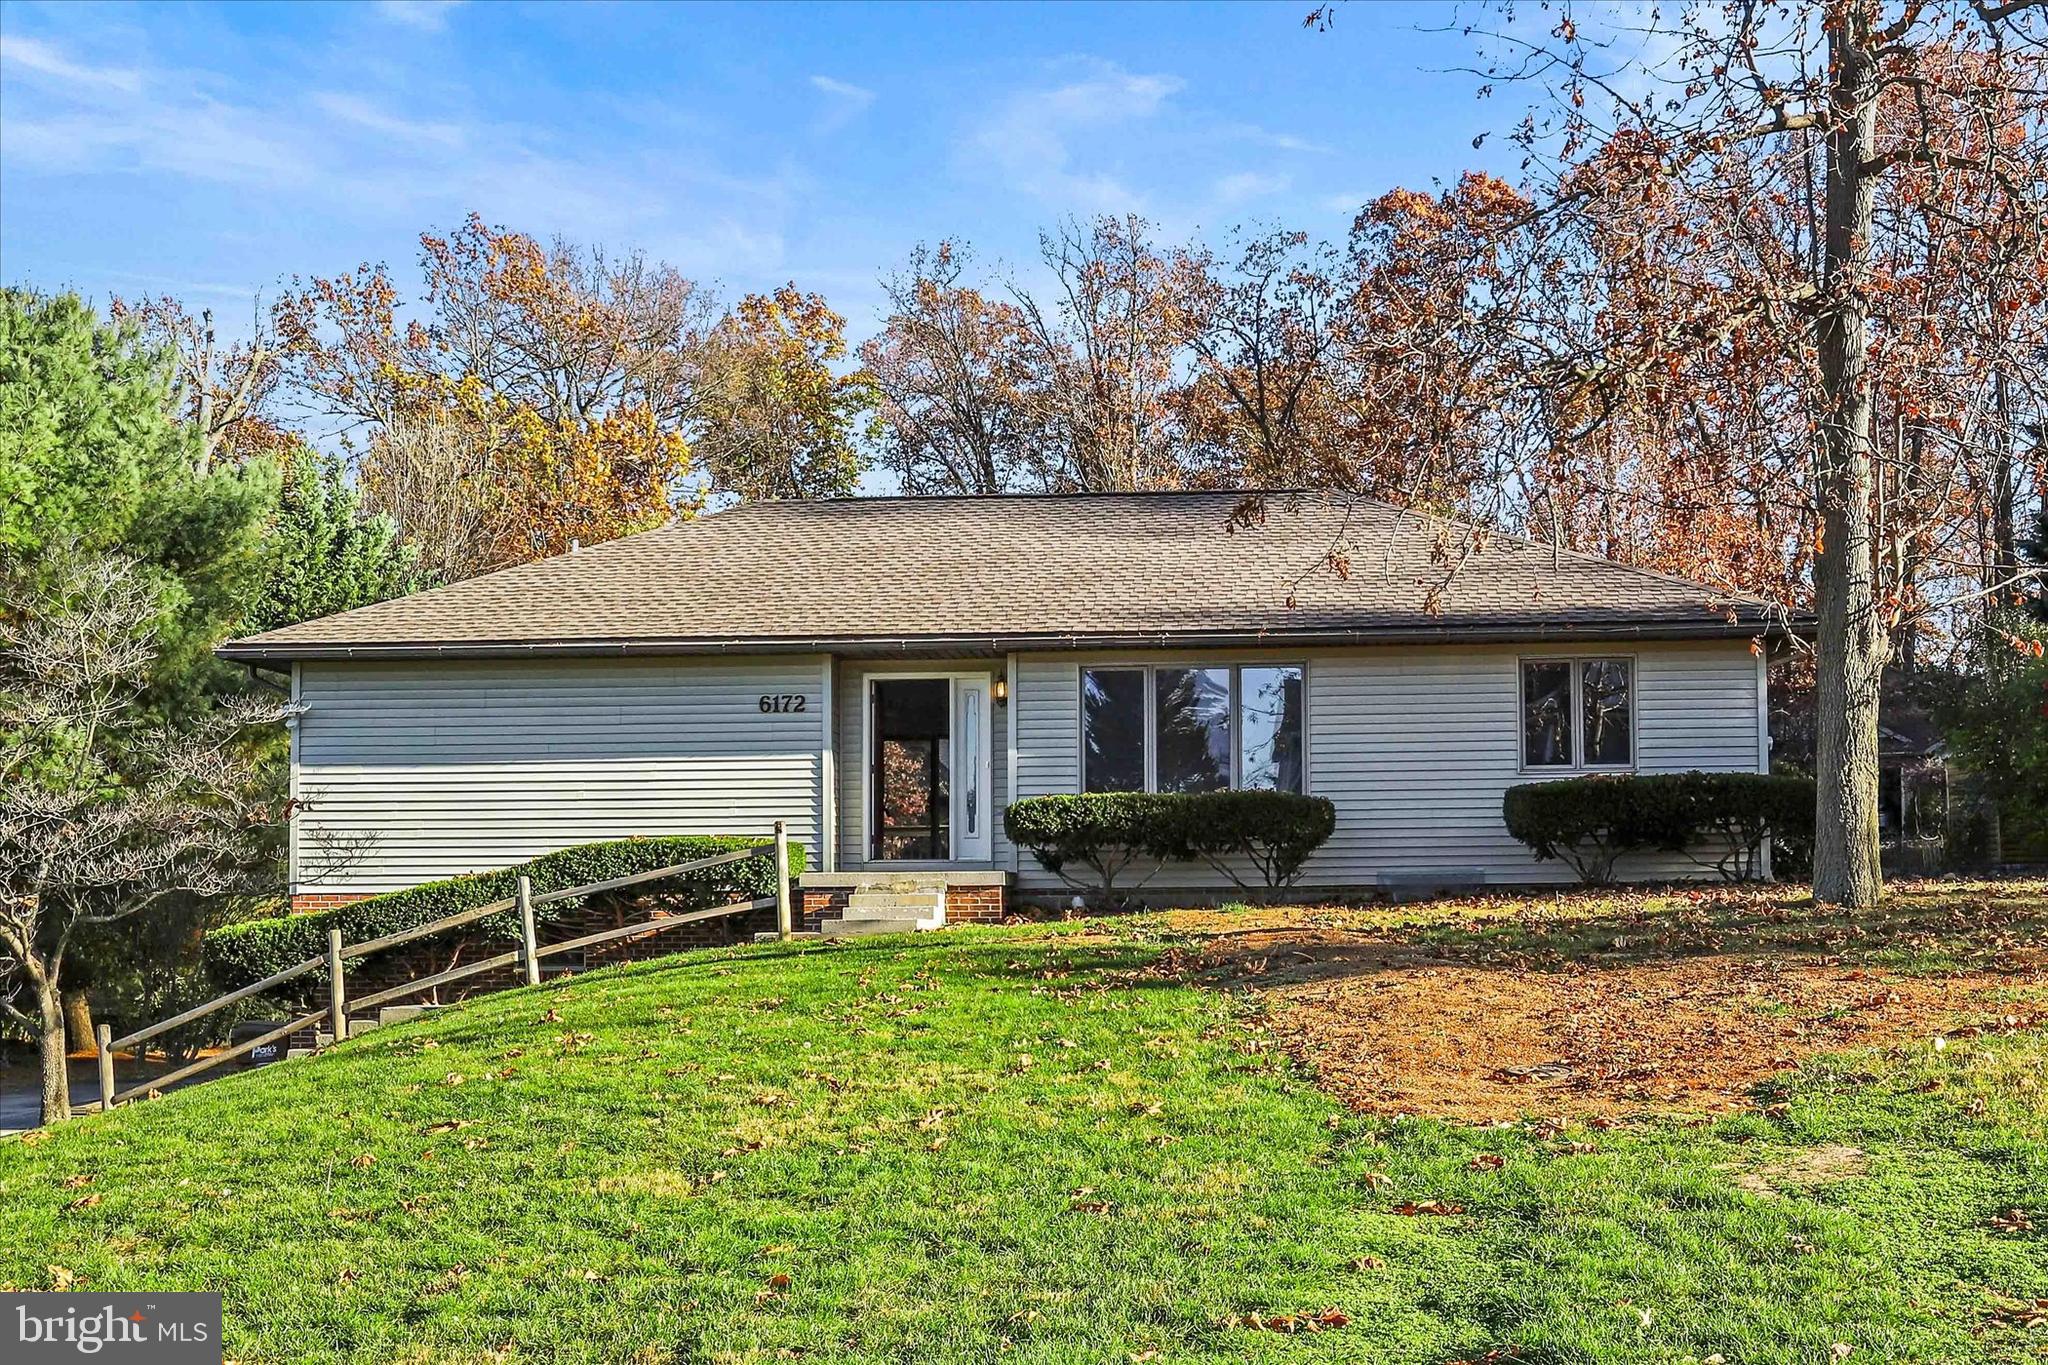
(1430, 1207)
(61, 1279)
(449, 1125)
(1290, 1322)
(1083, 1204)
(2028, 1314)
(363, 1161)
(77, 1182)
(1366, 1263)
(1485, 1161)
(86, 1201)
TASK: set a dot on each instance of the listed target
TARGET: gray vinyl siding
(850, 695)
(414, 771)
(1416, 746)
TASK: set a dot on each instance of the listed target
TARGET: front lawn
(1094, 1142)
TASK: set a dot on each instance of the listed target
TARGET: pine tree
(323, 554)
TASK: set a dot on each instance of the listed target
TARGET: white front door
(928, 768)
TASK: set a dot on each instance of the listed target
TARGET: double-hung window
(1191, 728)
(1578, 713)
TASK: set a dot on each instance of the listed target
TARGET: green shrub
(1110, 833)
(1719, 820)
(241, 953)
(1273, 832)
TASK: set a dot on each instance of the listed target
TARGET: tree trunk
(50, 1047)
(1851, 647)
(78, 1018)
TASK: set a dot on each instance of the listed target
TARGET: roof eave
(1503, 632)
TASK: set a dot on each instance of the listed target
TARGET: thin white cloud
(429, 16)
(1243, 185)
(30, 54)
(362, 113)
(844, 102)
(355, 154)
(845, 90)
(1030, 139)
(1266, 137)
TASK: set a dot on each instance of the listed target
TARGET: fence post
(782, 924)
(529, 946)
(337, 999)
(106, 1041)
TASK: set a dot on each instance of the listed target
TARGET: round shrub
(1271, 834)
(1719, 820)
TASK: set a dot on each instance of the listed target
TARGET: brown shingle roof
(1010, 572)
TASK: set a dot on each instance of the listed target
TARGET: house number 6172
(772, 702)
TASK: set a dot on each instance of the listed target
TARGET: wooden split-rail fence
(529, 954)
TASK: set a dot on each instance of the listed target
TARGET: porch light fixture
(1001, 691)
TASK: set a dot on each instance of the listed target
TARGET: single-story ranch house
(885, 674)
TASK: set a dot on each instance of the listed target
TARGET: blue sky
(212, 151)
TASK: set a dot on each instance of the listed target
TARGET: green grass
(1020, 1145)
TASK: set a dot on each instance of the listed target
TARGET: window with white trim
(1578, 713)
(1193, 728)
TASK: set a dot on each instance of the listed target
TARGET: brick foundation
(313, 902)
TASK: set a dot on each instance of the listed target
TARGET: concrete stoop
(895, 906)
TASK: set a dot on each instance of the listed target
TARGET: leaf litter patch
(1404, 1027)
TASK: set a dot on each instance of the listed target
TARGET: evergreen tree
(92, 460)
(323, 554)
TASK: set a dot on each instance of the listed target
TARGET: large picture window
(1578, 713)
(1185, 728)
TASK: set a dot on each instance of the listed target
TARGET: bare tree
(948, 367)
(1712, 246)
(434, 475)
(106, 811)
(1262, 332)
(224, 391)
(1101, 360)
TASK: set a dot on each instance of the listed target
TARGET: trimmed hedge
(1589, 822)
(241, 953)
(1109, 833)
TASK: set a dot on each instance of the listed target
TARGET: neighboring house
(887, 674)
